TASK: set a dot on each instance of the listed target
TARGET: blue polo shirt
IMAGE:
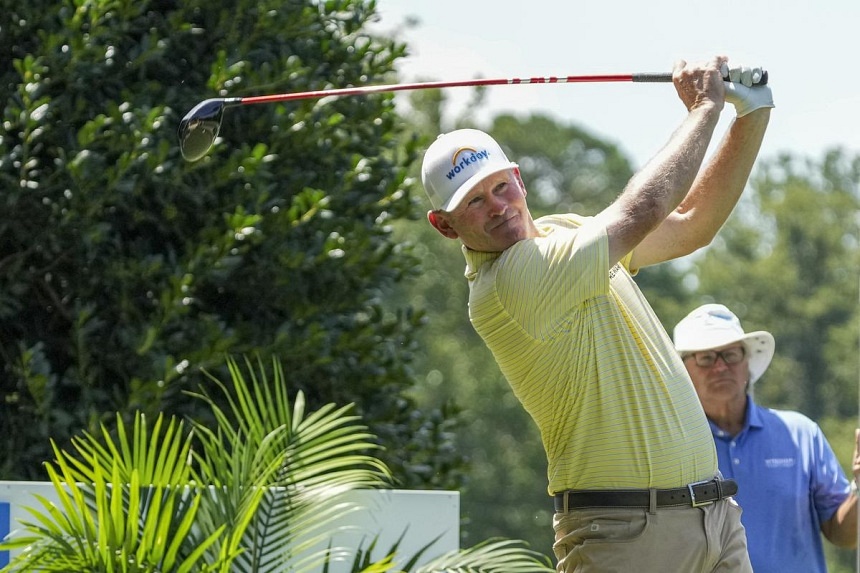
(789, 482)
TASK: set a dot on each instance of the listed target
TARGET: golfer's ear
(440, 223)
(519, 177)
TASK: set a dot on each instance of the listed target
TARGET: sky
(808, 48)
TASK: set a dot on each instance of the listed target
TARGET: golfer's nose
(497, 206)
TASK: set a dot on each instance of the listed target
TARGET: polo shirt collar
(753, 415)
(475, 260)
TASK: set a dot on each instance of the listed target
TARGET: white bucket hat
(712, 326)
(456, 162)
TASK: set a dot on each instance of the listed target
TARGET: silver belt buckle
(693, 501)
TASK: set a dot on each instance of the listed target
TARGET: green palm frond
(123, 505)
(266, 489)
(492, 556)
(298, 464)
(386, 565)
(364, 563)
(154, 454)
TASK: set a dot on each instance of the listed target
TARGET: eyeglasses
(707, 358)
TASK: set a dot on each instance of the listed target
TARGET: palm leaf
(363, 562)
(267, 490)
(303, 463)
(492, 556)
(105, 519)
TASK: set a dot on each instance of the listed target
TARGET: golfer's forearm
(716, 191)
(656, 190)
(668, 176)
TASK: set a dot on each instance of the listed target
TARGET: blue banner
(5, 511)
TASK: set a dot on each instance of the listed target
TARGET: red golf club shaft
(642, 77)
(200, 126)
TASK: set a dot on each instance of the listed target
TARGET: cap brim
(470, 183)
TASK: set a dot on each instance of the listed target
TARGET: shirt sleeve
(830, 487)
(542, 280)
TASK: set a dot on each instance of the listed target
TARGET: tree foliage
(787, 262)
(124, 270)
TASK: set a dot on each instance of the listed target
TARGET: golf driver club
(200, 126)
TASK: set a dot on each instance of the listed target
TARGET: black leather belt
(693, 495)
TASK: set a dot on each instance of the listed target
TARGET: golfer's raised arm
(716, 191)
(654, 192)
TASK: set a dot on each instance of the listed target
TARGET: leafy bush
(125, 270)
(252, 493)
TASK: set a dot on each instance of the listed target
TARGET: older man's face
(720, 374)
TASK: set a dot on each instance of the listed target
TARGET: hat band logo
(469, 157)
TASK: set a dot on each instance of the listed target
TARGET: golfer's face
(494, 214)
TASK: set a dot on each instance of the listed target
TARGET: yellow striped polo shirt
(590, 362)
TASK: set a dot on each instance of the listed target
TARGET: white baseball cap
(456, 162)
(712, 326)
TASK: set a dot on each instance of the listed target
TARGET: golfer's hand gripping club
(747, 89)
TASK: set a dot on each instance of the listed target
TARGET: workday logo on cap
(464, 158)
(456, 162)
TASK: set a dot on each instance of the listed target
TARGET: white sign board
(418, 516)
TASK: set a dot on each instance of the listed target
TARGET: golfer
(632, 467)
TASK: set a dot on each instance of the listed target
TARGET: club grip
(653, 77)
(667, 77)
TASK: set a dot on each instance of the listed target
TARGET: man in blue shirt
(790, 484)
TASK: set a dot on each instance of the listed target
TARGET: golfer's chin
(506, 238)
(494, 243)
(498, 238)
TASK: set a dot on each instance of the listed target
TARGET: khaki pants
(674, 539)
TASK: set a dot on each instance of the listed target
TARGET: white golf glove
(742, 90)
(746, 99)
(742, 74)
